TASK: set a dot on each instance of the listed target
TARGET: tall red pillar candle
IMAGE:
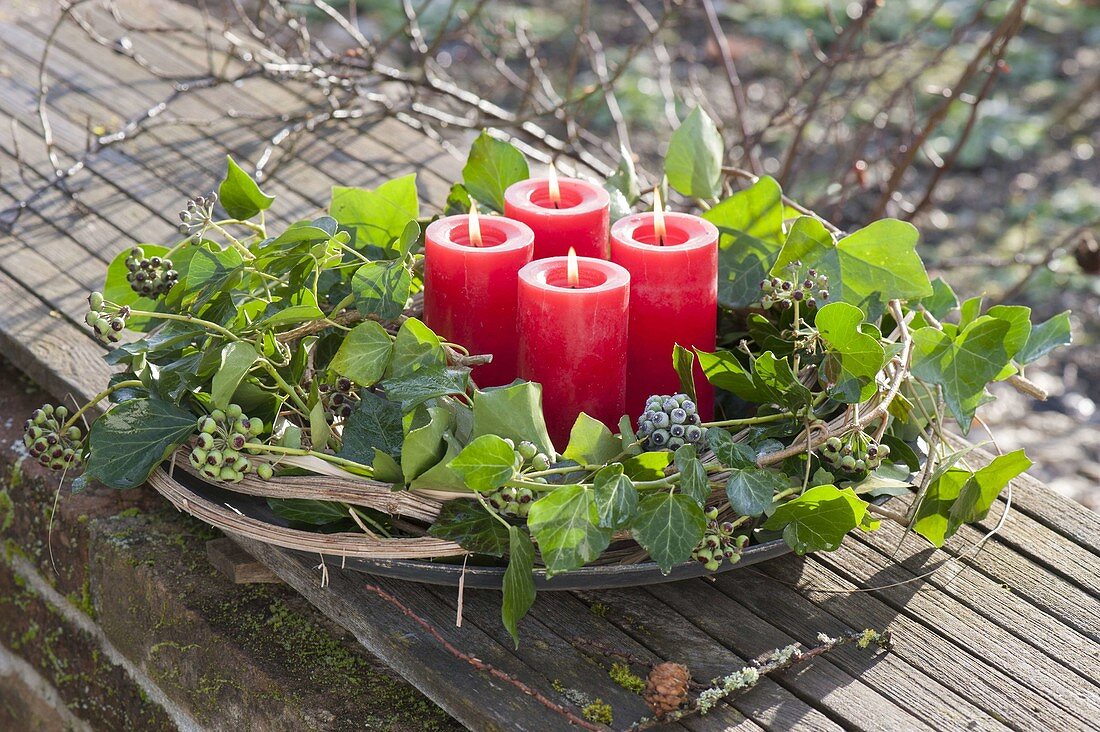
(673, 299)
(573, 339)
(470, 291)
(577, 217)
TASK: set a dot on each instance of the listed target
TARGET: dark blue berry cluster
(149, 276)
(670, 422)
(224, 438)
(50, 441)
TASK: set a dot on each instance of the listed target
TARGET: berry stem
(232, 240)
(188, 319)
(749, 420)
(302, 452)
(291, 391)
(256, 228)
(98, 398)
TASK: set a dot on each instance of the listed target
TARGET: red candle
(673, 263)
(572, 334)
(564, 213)
(470, 275)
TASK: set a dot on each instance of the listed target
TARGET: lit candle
(470, 287)
(572, 335)
(564, 213)
(673, 263)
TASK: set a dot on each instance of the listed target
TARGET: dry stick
(740, 104)
(480, 665)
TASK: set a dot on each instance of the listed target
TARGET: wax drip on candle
(552, 185)
(572, 270)
(474, 225)
(658, 217)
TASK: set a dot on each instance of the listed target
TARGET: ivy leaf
(724, 370)
(127, 442)
(669, 526)
(866, 268)
(983, 487)
(591, 442)
(415, 388)
(962, 365)
(308, 511)
(750, 490)
(1019, 328)
(819, 518)
(376, 217)
(237, 358)
(320, 431)
(683, 361)
(458, 201)
(693, 163)
(485, 464)
(1045, 337)
(382, 288)
(375, 425)
(775, 375)
(424, 446)
(942, 300)
(470, 526)
(514, 412)
(364, 354)
(493, 165)
(931, 520)
(625, 178)
(566, 525)
(693, 476)
(750, 227)
(855, 357)
(616, 497)
(519, 582)
(729, 453)
(299, 308)
(239, 195)
(210, 272)
(440, 475)
(415, 347)
(647, 465)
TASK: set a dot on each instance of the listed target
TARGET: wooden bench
(1012, 642)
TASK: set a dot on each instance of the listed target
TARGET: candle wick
(556, 205)
(661, 241)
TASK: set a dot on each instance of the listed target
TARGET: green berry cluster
(149, 276)
(670, 422)
(106, 321)
(855, 454)
(719, 543)
(782, 294)
(49, 441)
(224, 437)
(512, 501)
(528, 456)
(197, 215)
(338, 398)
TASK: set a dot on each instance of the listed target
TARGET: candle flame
(658, 217)
(552, 184)
(573, 273)
(474, 225)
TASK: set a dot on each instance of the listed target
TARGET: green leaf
(319, 429)
(855, 357)
(209, 273)
(724, 370)
(307, 511)
(683, 360)
(931, 520)
(625, 178)
(1019, 325)
(415, 388)
(300, 308)
(750, 227)
(364, 354)
(486, 463)
(819, 518)
(942, 300)
(131, 439)
(693, 163)
(693, 476)
(963, 366)
(866, 268)
(750, 490)
(424, 446)
(469, 525)
(669, 526)
(416, 347)
(729, 453)
(591, 442)
(374, 426)
(647, 466)
(774, 374)
(514, 412)
(237, 358)
(493, 165)
(519, 581)
(440, 476)
(616, 497)
(376, 217)
(458, 201)
(1045, 337)
(239, 195)
(382, 288)
(983, 487)
(566, 525)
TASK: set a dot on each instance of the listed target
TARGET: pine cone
(666, 689)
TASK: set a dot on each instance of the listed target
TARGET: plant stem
(188, 319)
(98, 398)
(301, 452)
(291, 391)
(232, 240)
(750, 420)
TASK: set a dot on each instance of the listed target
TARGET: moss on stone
(7, 511)
(83, 600)
(621, 674)
(598, 712)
